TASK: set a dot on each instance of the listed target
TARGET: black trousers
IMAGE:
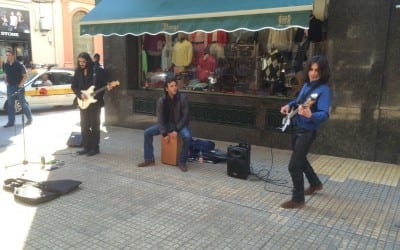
(299, 164)
(90, 126)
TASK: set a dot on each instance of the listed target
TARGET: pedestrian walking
(15, 78)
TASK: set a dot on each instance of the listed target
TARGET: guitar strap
(304, 96)
(302, 100)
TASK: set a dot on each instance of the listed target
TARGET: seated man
(45, 80)
(172, 119)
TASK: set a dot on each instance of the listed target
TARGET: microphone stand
(24, 161)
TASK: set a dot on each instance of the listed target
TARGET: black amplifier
(238, 162)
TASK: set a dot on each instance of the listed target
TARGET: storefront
(15, 33)
(240, 62)
(241, 49)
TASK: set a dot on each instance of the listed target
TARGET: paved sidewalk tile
(121, 206)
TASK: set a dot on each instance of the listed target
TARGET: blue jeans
(11, 97)
(150, 132)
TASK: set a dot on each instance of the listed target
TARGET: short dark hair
(11, 51)
(323, 68)
(170, 78)
(96, 56)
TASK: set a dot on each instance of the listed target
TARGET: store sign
(284, 20)
(14, 23)
(168, 27)
(11, 34)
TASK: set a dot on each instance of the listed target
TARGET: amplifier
(238, 162)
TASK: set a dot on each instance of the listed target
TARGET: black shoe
(183, 167)
(29, 122)
(92, 152)
(82, 152)
(8, 125)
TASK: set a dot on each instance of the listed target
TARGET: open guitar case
(32, 192)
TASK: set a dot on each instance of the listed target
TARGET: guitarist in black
(304, 126)
(87, 74)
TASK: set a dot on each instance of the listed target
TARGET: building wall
(51, 29)
(358, 43)
(69, 9)
(388, 135)
(19, 40)
(363, 52)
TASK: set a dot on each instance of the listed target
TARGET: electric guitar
(90, 93)
(286, 120)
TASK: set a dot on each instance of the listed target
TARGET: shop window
(268, 62)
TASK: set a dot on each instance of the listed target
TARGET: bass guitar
(90, 93)
(287, 119)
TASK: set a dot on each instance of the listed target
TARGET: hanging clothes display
(217, 41)
(205, 66)
(182, 54)
(199, 41)
(153, 45)
(166, 53)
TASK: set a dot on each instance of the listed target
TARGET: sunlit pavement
(121, 206)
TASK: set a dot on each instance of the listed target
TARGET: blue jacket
(320, 109)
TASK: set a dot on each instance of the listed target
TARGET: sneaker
(29, 122)
(312, 189)
(8, 125)
(146, 163)
(292, 204)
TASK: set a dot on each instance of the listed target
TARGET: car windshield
(31, 75)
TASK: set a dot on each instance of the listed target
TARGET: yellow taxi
(49, 88)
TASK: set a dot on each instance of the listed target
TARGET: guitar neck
(306, 104)
(99, 90)
(293, 113)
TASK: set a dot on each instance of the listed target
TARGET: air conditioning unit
(44, 24)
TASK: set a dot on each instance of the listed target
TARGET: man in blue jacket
(312, 104)
(172, 120)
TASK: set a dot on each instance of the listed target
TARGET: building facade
(361, 43)
(46, 31)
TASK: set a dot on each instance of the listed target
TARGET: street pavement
(121, 206)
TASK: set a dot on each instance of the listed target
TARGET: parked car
(56, 92)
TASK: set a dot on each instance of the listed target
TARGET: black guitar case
(32, 192)
(215, 156)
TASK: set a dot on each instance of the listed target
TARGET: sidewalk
(121, 206)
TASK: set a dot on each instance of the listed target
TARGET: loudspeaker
(238, 163)
(75, 140)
